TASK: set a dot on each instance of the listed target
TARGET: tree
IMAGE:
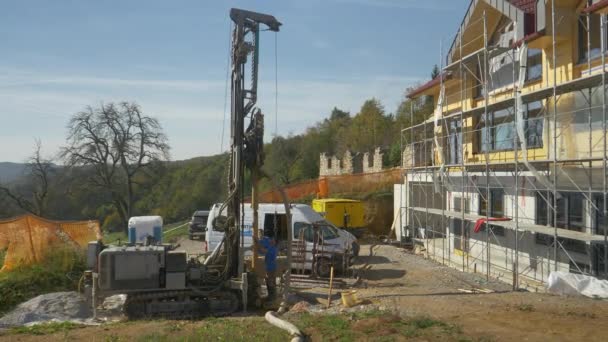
(118, 142)
(38, 172)
(369, 127)
(337, 114)
(282, 157)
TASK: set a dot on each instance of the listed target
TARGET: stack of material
(58, 306)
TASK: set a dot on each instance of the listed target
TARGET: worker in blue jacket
(267, 247)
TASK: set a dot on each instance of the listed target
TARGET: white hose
(271, 317)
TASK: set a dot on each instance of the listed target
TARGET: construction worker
(267, 247)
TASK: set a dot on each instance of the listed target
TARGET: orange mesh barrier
(343, 184)
(28, 238)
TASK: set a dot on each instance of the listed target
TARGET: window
(568, 244)
(534, 117)
(498, 132)
(544, 201)
(534, 67)
(597, 260)
(579, 268)
(455, 141)
(569, 210)
(460, 230)
(584, 53)
(503, 131)
(302, 230)
(600, 219)
(458, 204)
(587, 106)
(496, 207)
(496, 203)
(306, 231)
(328, 233)
(275, 226)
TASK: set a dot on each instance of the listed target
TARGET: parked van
(273, 223)
(198, 224)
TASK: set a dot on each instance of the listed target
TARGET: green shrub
(46, 328)
(60, 271)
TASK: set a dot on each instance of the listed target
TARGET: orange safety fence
(28, 238)
(342, 184)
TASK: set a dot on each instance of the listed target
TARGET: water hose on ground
(271, 317)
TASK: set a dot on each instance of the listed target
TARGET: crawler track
(184, 304)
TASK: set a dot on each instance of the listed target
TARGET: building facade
(508, 176)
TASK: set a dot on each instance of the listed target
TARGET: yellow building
(518, 136)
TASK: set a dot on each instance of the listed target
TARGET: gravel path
(411, 285)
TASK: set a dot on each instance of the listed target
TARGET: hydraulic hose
(271, 317)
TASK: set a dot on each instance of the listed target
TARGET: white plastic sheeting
(565, 283)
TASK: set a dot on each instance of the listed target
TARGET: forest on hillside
(130, 184)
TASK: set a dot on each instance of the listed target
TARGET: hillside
(175, 189)
(10, 171)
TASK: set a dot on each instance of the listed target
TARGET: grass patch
(525, 307)
(171, 234)
(365, 326)
(375, 325)
(114, 237)
(47, 328)
(59, 271)
(590, 315)
(217, 329)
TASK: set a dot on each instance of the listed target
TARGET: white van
(273, 222)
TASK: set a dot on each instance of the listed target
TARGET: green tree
(282, 156)
(118, 142)
(369, 127)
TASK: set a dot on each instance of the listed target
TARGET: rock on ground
(58, 306)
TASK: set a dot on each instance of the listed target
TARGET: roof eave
(504, 7)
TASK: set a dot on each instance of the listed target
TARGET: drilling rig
(160, 281)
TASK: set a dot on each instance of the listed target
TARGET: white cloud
(41, 80)
(190, 110)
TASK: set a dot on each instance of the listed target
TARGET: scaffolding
(513, 186)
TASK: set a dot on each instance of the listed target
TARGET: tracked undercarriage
(185, 304)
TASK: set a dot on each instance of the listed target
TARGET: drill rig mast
(162, 282)
(246, 148)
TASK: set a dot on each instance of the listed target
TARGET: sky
(171, 57)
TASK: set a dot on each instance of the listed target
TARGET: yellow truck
(343, 213)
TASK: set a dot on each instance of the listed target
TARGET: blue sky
(171, 58)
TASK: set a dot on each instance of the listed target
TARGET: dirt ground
(196, 246)
(400, 283)
(411, 285)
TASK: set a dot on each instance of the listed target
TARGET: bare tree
(38, 171)
(118, 142)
